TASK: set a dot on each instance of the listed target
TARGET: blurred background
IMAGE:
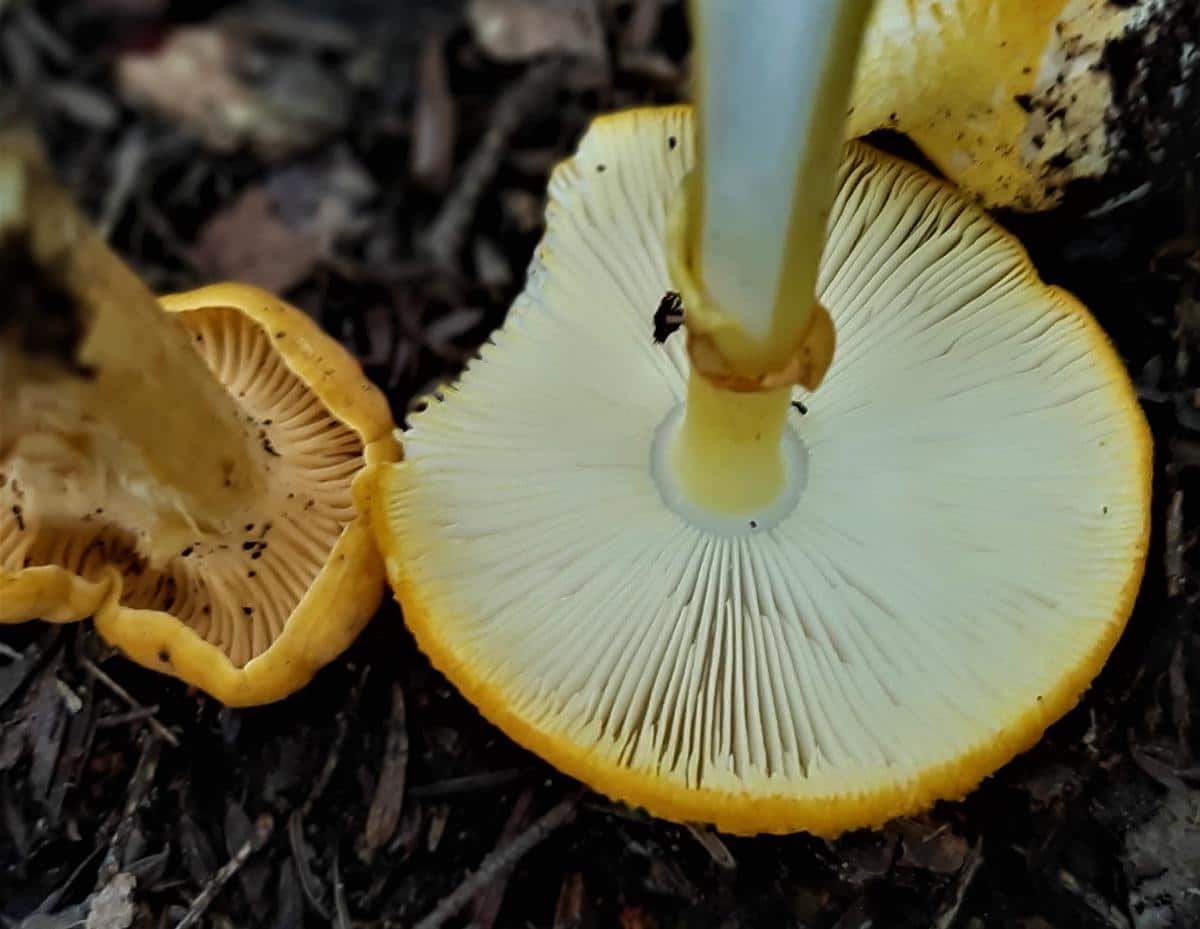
(381, 162)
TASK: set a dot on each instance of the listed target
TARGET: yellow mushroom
(955, 548)
(1013, 99)
(195, 474)
(681, 573)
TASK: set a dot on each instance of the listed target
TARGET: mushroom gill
(235, 591)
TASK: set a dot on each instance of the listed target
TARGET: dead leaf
(667, 878)
(386, 806)
(324, 199)
(491, 267)
(49, 715)
(643, 24)
(517, 30)
(1162, 861)
(485, 906)
(931, 847)
(568, 911)
(435, 122)
(248, 242)
(634, 917)
(112, 907)
(1052, 785)
(192, 80)
(523, 210)
(82, 104)
(304, 96)
(437, 826)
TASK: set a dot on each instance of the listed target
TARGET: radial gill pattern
(235, 591)
(962, 557)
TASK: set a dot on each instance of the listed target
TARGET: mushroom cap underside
(963, 555)
(248, 616)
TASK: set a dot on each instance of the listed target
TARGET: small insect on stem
(668, 317)
(800, 406)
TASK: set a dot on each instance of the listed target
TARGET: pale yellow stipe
(727, 458)
(747, 260)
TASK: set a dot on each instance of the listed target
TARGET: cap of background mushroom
(1014, 99)
(940, 558)
(198, 482)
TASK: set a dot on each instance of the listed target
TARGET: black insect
(800, 407)
(668, 317)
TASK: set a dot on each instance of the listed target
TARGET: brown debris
(444, 240)
(247, 241)
(518, 30)
(314, 892)
(99, 674)
(1162, 864)
(192, 80)
(139, 788)
(931, 846)
(568, 910)
(384, 813)
(501, 859)
(431, 157)
(485, 906)
(112, 907)
(263, 827)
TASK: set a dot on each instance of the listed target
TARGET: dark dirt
(373, 794)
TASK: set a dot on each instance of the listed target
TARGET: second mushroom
(194, 474)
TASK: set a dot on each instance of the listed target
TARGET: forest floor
(390, 181)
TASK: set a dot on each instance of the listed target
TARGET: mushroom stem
(745, 237)
(773, 86)
(99, 386)
(726, 456)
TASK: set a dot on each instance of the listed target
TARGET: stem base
(727, 461)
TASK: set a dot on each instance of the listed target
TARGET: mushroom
(195, 474)
(1014, 99)
(682, 577)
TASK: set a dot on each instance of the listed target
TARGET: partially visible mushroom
(1014, 99)
(195, 478)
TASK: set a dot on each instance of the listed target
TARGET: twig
(341, 912)
(1173, 545)
(466, 784)
(93, 669)
(966, 876)
(19, 670)
(1094, 902)
(444, 240)
(485, 906)
(500, 860)
(717, 850)
(50, 903)
(263, 827)
(331, 760)
(130, 716)
(313, 891)
(139, 786)
(128, 162)
(388, 802)
(568, 910)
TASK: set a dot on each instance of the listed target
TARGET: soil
(391, 185)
